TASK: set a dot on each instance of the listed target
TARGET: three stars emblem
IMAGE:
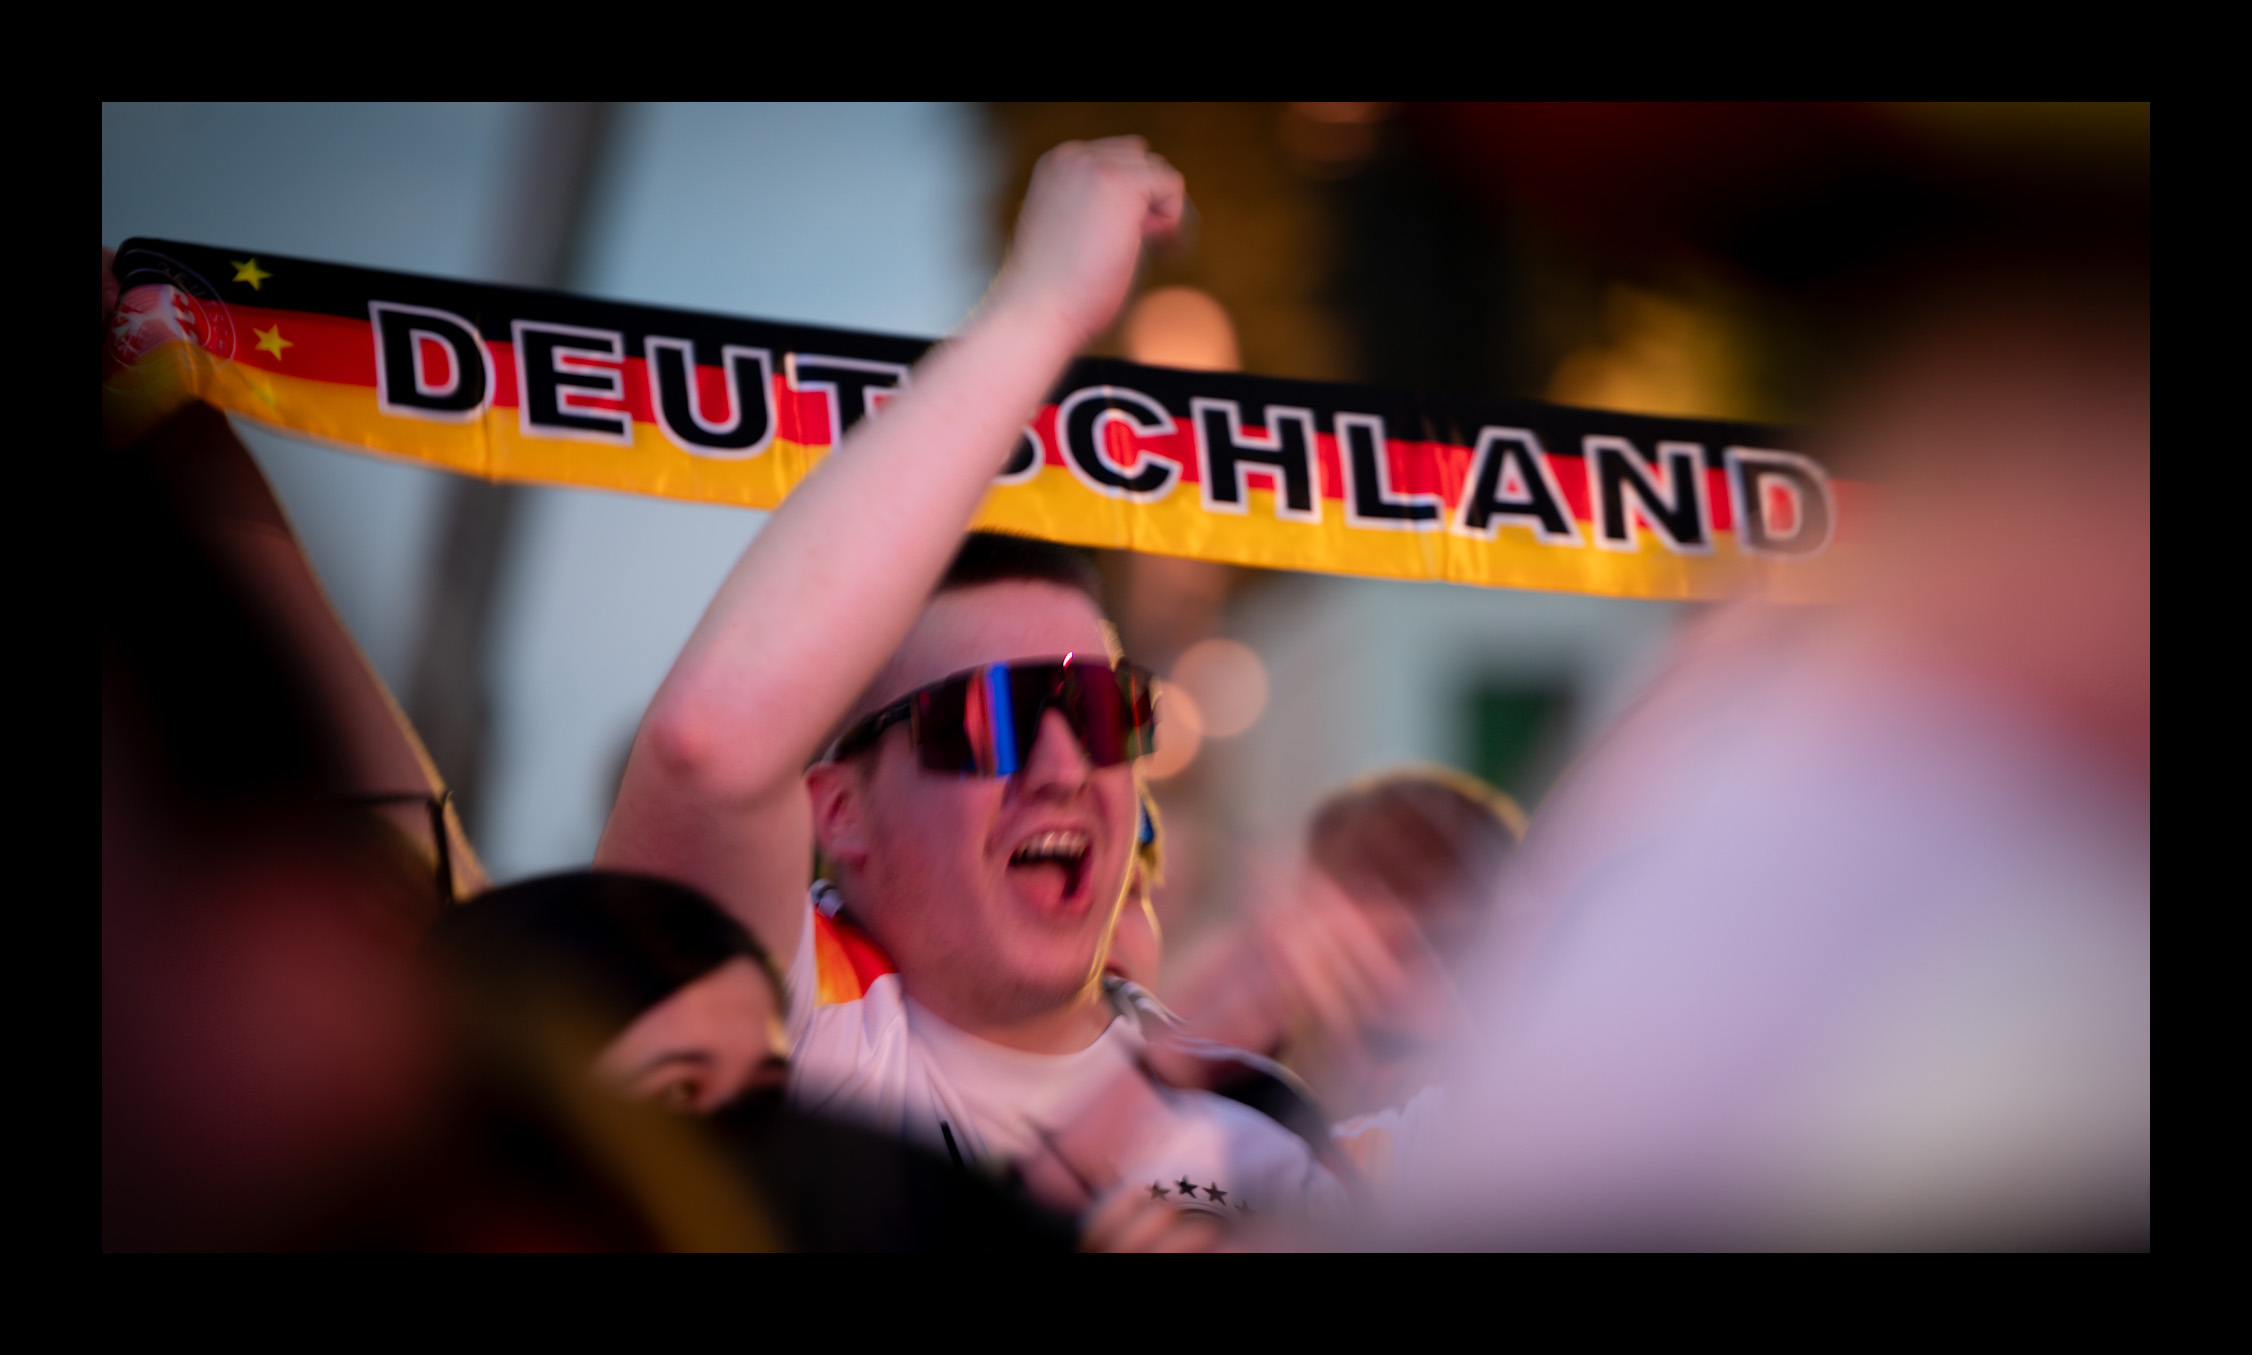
(1187, 1189)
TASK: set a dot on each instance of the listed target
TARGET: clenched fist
(1091, 208)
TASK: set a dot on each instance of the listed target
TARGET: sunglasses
(983, 721)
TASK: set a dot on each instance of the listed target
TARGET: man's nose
(1056, 762)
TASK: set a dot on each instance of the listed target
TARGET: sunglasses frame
(1137, 691)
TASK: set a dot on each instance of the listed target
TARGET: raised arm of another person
(215, 481)
(713, 794)
(211, 476)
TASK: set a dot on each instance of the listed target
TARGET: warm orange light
(1662, 355)
(1180, 733)
(1182, 327)
(1229, 684)
(1330, 140)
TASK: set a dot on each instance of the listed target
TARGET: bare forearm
(827, 590)
(218, 482)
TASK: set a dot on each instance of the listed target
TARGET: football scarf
(513, 384)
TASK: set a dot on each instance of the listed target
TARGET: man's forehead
(994, 623)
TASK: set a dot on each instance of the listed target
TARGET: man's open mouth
(1063, 851)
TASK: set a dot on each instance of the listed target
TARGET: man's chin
(1031, 986)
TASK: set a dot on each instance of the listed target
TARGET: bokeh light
(1180, 733)
(1229, 684)
(1182, 327)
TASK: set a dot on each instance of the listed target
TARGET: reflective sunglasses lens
(985, 722)
(972, 725)
(1000, 696)
(942, 729)
(1111, 712)
(1100, 718)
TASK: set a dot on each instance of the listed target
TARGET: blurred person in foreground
(274, 1073)
(275, 845)
(970, 732)
(267, 1055)
(1842, 936)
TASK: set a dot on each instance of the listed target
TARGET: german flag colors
(511, 384)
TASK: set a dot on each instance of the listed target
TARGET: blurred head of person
(1137, 942)
(1421, 850)
(266, 1049)
(275, 1071)
(995, 896)
(2011, 426)
(643, 982)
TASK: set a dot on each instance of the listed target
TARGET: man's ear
(840, 822)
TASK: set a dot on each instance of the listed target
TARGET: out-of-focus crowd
(1839, 937)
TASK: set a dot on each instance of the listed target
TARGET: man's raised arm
(713, 793)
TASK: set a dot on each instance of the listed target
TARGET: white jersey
(866, 1051)
(1376, 1143)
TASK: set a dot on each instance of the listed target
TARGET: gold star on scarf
(247, 270)
(271, 341)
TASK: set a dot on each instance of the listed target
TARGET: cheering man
(978, 809)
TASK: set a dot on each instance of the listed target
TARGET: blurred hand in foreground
(1342, 987)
